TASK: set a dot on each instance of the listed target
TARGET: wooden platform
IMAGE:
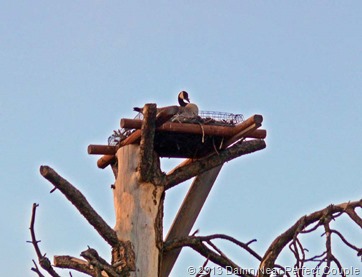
(182, 140)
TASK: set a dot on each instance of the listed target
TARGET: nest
(186, 145)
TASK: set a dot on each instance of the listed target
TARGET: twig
(345, 241)
(37, 270)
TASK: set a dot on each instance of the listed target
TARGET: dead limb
(202, 165)
(81, 203)
(73, 263)
(200, 244)
(43, 260)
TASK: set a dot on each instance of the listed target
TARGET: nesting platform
(177, 137)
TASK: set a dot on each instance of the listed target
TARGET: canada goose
(183, 95)
(186, 109)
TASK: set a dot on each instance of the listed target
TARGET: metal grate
(222, 116)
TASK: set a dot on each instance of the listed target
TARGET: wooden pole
(187, 214)
(139, 209)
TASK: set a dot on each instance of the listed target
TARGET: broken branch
(81, 203)
(70, 262)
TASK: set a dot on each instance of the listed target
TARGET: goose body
(187, 109)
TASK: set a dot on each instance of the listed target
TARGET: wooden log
(163, 115)
(240, 135)
(212, 130)
(96, 149)
(139, 209)
(254, 119)
(106, 160)
(257, 134)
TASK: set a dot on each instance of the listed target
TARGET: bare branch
(70, 262)
(81, 203)
(345, 241)
(43, 260)
(320, 218)
(218, 257)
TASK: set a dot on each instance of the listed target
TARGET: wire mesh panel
(222, 116)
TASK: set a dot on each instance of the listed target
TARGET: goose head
(182, 97)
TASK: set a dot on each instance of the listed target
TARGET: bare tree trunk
(139, 212)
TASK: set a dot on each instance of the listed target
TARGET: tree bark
(139, 213)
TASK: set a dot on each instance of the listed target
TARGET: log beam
(97, 149)
(212, 130)
(187, 214)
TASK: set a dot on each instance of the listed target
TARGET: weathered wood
(138, 208)
(213, 130)
(254, 119)
(202, 129)
(146, 145)
(257, 134)
(162, 116)
(96, 149)
(187, 214)
(240, 135)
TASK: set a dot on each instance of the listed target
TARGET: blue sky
(71, 70)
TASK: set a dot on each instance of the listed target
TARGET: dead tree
(138, 248)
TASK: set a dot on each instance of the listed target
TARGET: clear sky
(70, 70)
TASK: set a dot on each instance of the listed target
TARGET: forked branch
(321, 218)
